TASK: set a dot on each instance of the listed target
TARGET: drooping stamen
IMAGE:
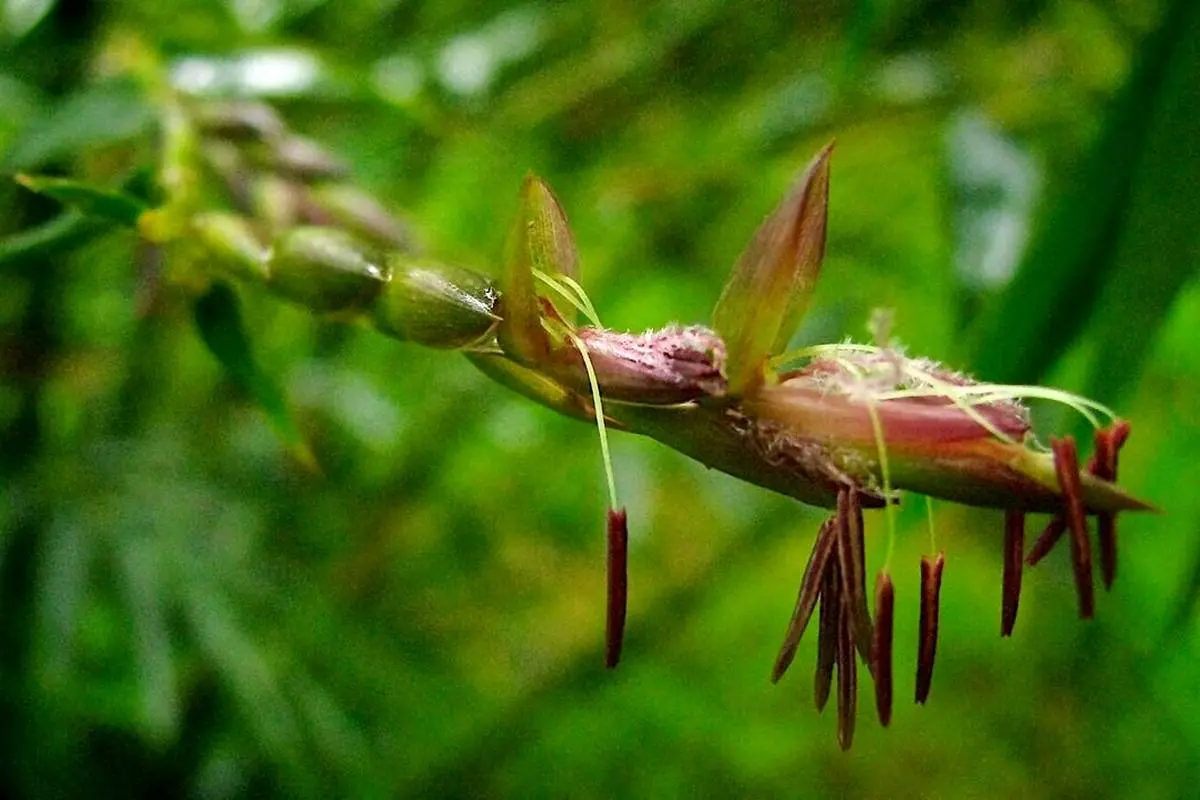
(1046, 542)
(618, 529)
(570, 291)
(618, 586)
(847, 679)
(853, 569)
(881, 646)
(1014, 548)
(806, 601)
(885, 473)
(1101, 465)
(1066, 465)
(827, 632)
(1108, 443)
(931, 589)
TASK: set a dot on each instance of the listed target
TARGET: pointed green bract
(91, 201)
(775, 275)
(535, 386)
(541, 241)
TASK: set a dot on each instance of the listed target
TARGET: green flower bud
(239, 121)
(354, 210)
(298, 158)
(230, 241)
(306, 160)
(437, 305)
(325, 269)
(275, 201)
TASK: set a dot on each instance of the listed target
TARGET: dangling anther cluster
(834, 579)
(1103, 465)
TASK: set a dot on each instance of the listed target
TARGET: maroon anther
(1046, 542)
(618, 586)
(806, 601)
(851, 560)
(931, 589)
(847, 679)
(1066, 465)
(827, 633)
(881, 646)
(1108, 444)
(1014, 548)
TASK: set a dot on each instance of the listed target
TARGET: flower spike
(841, 426)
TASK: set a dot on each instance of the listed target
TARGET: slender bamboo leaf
(104, 114)
(63, 233)
(243, 668)
(1073, 255)
(1158, 251)
(89, 200)
(141, 575)
(219, 321)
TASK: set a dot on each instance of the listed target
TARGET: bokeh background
(185, 609)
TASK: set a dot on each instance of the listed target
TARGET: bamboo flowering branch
(841, 426)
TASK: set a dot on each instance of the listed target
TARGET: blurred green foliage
(185, 608)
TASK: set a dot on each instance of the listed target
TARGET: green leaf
(219, 321)
(104, 114)
(244, 668)
(1074, 254)
(1158, 250)
(142, 581)
(89, 200)
(774, 277)
(66, 558)
(58, 235)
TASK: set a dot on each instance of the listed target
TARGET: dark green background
(184, 607)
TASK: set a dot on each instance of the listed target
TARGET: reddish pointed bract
(774, 278)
